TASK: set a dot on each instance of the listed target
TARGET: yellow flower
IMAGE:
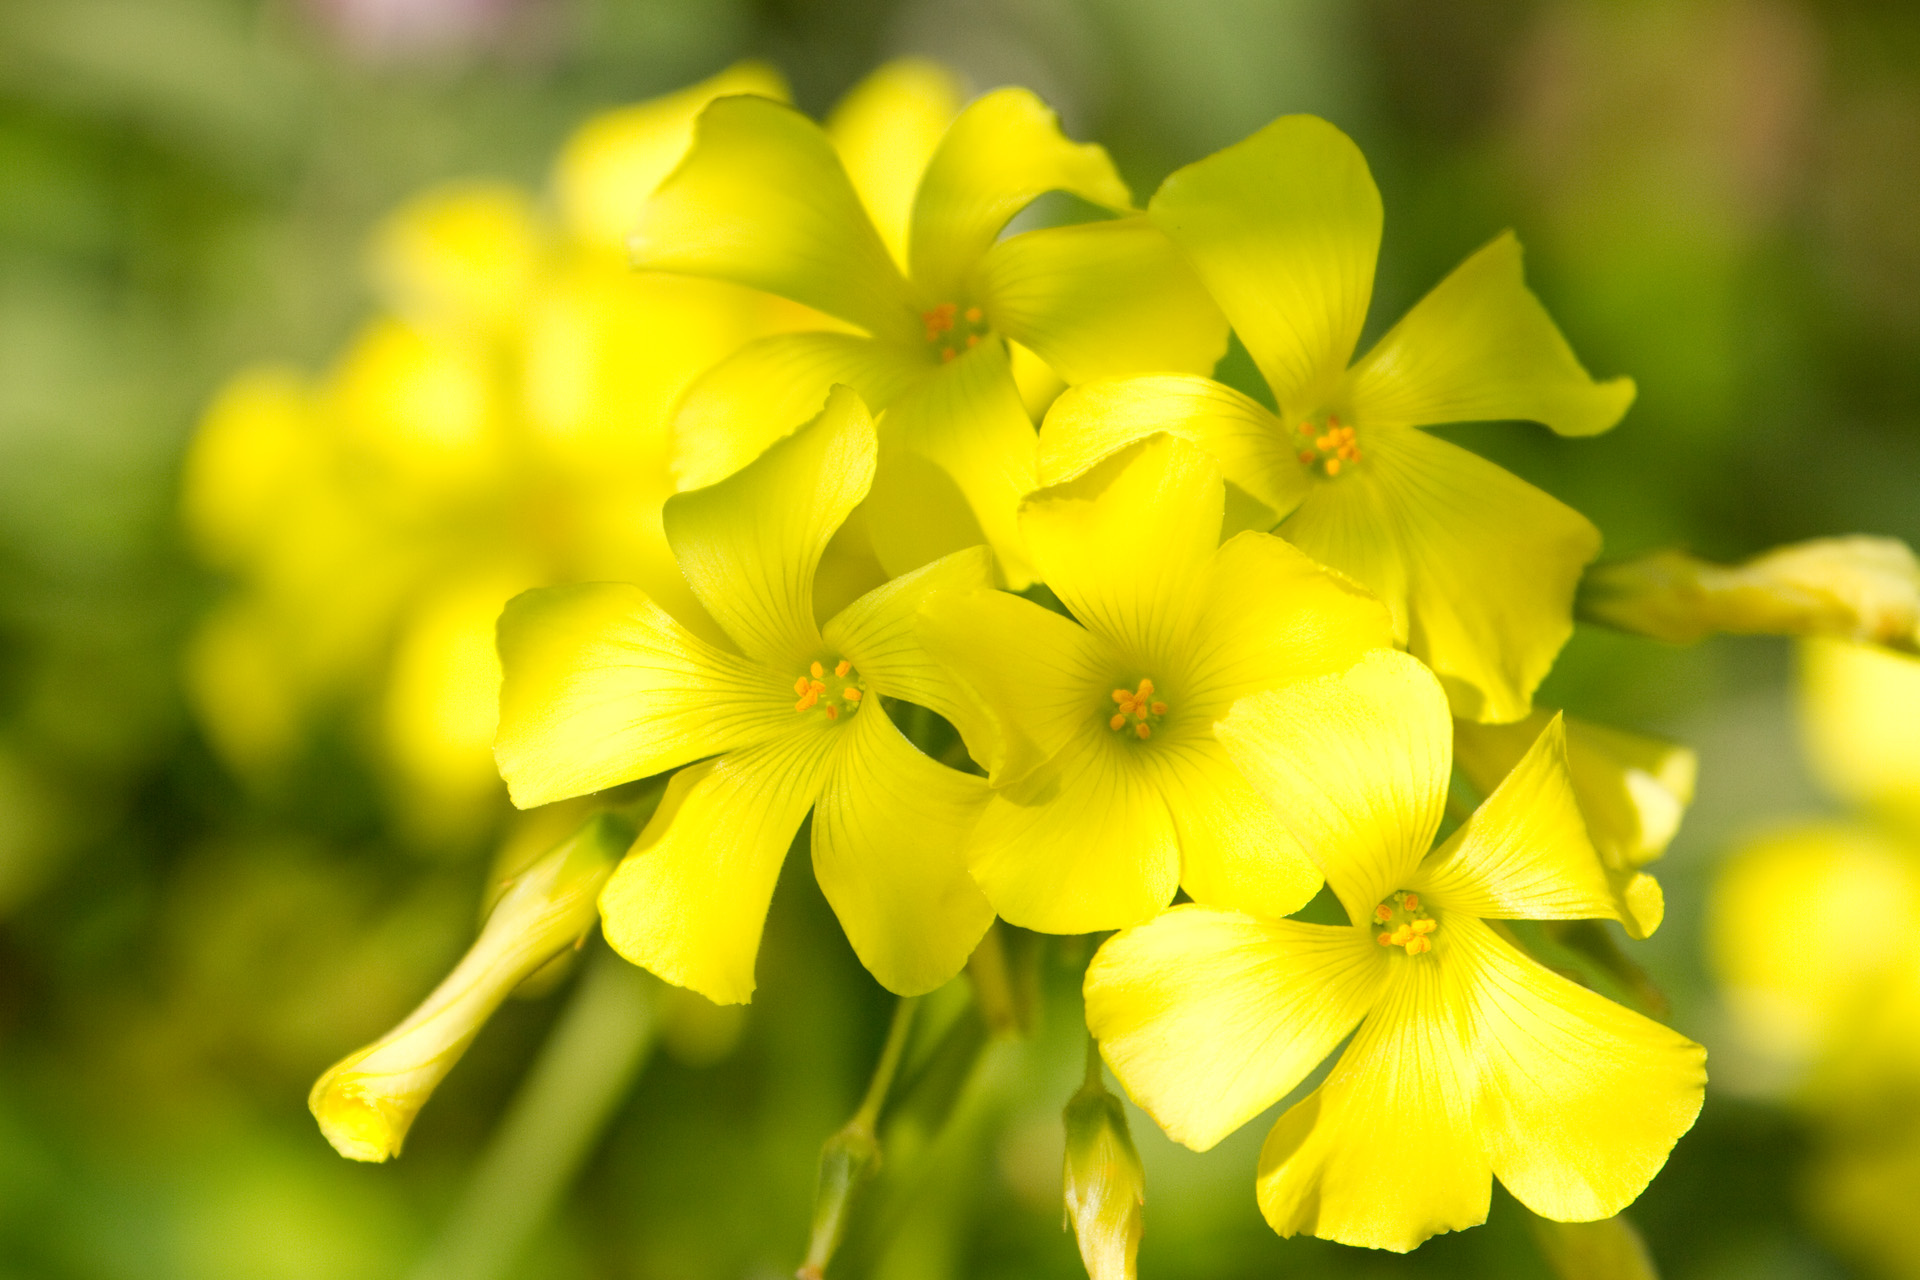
(1825, 1011)
(1832, 1000)
(1109, 789)
(366, 1102)
(1632, 791)
(1470, 1060)
(502, 423)
(1478, 567)
(603, 686)
(935, 295)
(1857, 588)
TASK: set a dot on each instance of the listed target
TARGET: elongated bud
(1855, 588)
(366, 1102)
(1105, 1185)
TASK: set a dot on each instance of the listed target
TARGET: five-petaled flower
(763, 200)
(1470, 1059)
(603, 686)
(1109, 789)
(1478, 566)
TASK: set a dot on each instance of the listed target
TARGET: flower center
(952, 330)
(1328, 446)
(829, 691)
(1402, 923)
(1136, 711)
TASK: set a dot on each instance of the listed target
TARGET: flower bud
(366, 1102)
(1105, 1185)
(1855, 588)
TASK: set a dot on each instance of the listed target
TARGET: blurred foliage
(1717, 198)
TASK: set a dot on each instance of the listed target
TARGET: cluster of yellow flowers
(847, 486)
(1827, 1007)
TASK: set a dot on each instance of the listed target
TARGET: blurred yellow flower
(1827, 1010)
(913, 259)
(1477, 566)
(1470, 1060)
(502, 423)
(1110, 792)
(603, 686)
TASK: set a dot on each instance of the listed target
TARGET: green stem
(586, 1067)
(852, 1156)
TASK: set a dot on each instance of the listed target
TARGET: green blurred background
(1718, 198)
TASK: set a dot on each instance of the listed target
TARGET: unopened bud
(1855, 588)
(1105, 1185)
(366, 1102)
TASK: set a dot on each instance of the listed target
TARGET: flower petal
(1031, 678)
(1525, 853)
(1124, 547)
(601, 687)
(1633, 789)
(769, 387)
(1234, 851)
(614, 161)
(1284, 227)
(1101, 299)
(880, 632)
(1578, 1100)
(1269, 615)
(1209, 1017)
(1004, 150)
(886, 129)
(1478, 566)
(967, 419)
(762, 200)
(749, 545)
(1481, 348)
(888, 853)
(1086, 844)
(690, 899)
(1860, 718)
(1090, 422)
(1356, 765)
(1385, 1153)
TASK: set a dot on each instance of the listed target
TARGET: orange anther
(815, 686)
(1333, 466)
(800, 685)
(1411, 902)
(974, 315)
(1386, 939)
(850, 694)
(1146, 688)
(806, 701)
(1143, 731)
(842, 667)
(1306, 428)
(1424, 926)
(973, 340)
(946, 356)
(1307, 456)
(1159, 708)
(833, 713)
(1119, 721)
(1383, 913)
(817, 670)
(1122, 695)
